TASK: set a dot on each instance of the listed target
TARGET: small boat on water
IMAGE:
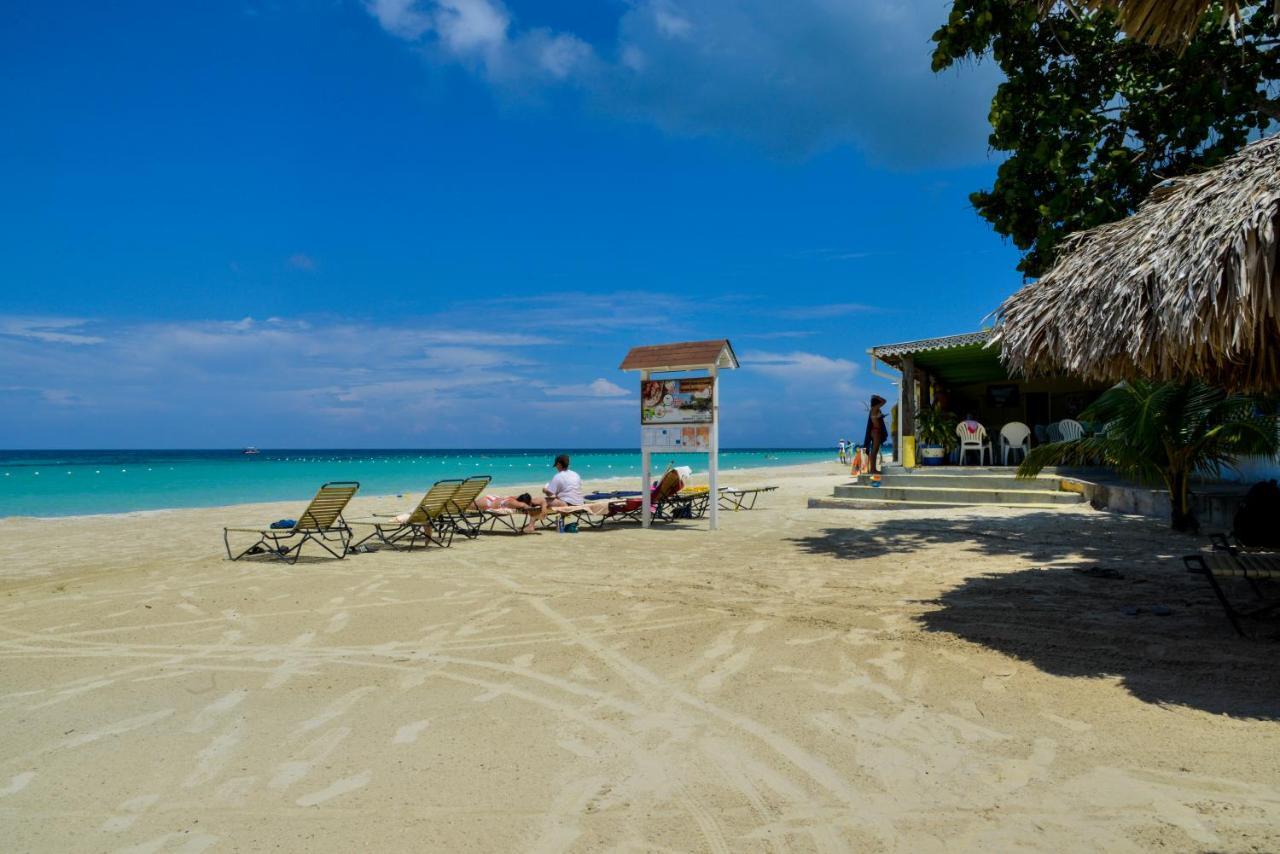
(249, 452)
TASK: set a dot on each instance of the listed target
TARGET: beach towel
(284, 523)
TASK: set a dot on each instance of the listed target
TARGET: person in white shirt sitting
(566, 487)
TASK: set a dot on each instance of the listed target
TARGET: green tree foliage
(1093, 121)
(1163, 433)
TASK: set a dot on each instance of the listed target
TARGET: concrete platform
(833, 503)
(968, 480)
(978, 494)
(954, 486)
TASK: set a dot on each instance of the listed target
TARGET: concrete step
(880, 504)
(1004, 482)
(1006, 471)
(955, 496)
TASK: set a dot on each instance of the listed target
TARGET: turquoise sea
(69, 483)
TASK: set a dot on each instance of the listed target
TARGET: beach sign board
(680, 414)
(679, 401)
(688, 439)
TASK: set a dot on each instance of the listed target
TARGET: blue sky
(436, 223)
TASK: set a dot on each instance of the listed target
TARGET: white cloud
(227, 372)
(670, 22)
(619, 310)
(818, 397)
(774, 336)
(456, 358)
(400, 17)
(60, 397)
(819, 312)
(478, 34)
(302, 261)
(471, 25)
(827, 381)
(794, 78)
(599, 387)
(53, 330)
(482, 339)
(800, 367)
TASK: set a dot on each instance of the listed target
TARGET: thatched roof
(1189, 285)
(1168, 23)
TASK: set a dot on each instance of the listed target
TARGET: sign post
(714, 468)
(680, 415)
(646, 473)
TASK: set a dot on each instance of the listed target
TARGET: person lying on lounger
(535, 508)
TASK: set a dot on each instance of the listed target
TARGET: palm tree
(1165, 432)
(1167, 23)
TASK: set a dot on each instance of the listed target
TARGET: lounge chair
(321, 520)
(613, 496)
(465, 517)
(671, 501)
(624, 509)
(593, 513)
(1229, 561)
(513, 519)
(623, 504)
(429, 521)
(741, 499)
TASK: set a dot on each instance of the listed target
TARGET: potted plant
(935, 435)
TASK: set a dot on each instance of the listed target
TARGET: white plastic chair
(976, 441)
(1014, 436)
(1070, 430)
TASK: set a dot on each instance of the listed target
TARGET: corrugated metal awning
(953, 359)
(945, 343)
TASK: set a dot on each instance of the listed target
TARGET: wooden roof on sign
(683, 356)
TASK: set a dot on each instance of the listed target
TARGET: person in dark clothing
(876, 432)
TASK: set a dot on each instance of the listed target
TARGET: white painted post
(715, 449)
(646, 512)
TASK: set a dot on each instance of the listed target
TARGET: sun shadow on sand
(1073, 625)
(1044, 537)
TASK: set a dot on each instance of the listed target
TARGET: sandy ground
(801, 680)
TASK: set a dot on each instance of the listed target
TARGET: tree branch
(1268, 106)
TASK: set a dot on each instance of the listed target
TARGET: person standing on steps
(876, 432)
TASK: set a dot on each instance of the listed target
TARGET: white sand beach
(800, 680)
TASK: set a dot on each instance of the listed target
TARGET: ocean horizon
(81, 482)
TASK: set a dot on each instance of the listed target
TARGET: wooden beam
(908, 414)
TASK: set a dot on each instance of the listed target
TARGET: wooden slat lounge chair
(428, 522)
(465, 517)
(1228, 561)
(741, 499)
(318, 523)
